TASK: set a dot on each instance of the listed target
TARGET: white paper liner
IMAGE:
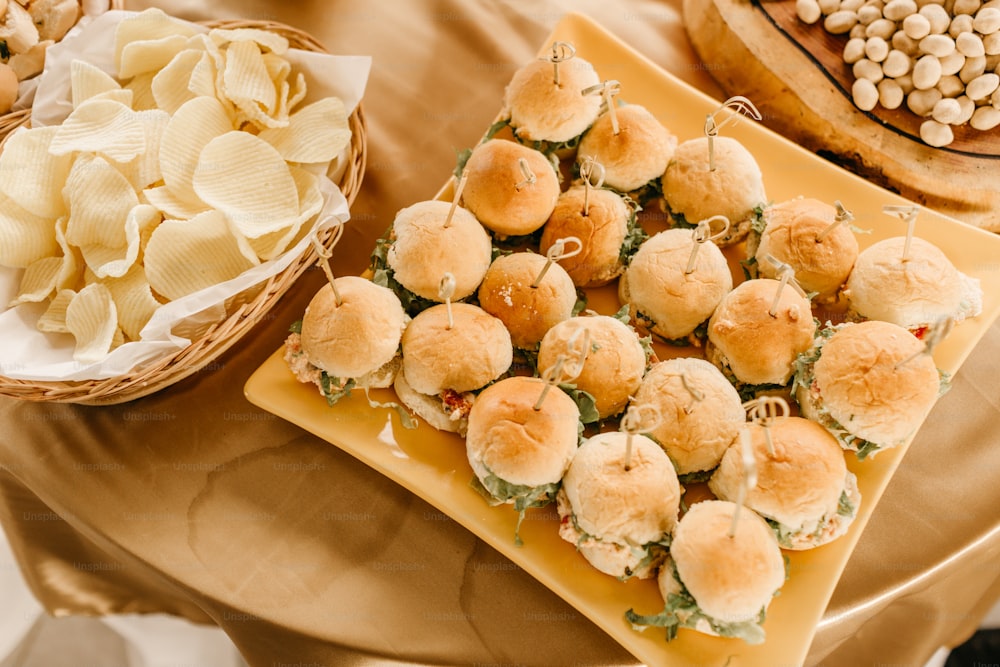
(28, 354)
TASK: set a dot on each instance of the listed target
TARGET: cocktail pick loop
(561, 52)
(843, 217)
(529, 176)
(446, 289)
(608, 90)
(936, 332)
(577, 349)
(459, 187)
(632, 422)
(696, 395)
(749, 477)
(588, 168)
(703, 233)
(324, 261)
(763, 410)
(556, 253)
(909, 215)
(786, 276)
(739, 105)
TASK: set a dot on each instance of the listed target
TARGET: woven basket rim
(220, 337)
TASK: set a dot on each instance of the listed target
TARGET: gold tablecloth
(193, 502)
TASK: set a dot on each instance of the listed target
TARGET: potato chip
(203, 76)
(245, 79)
(30, 175)
(144, 170)
(142, 91)
(171, 84)
(101, 126)
(24, 237)
(164, 199)
(134, 301)
(150, 25)
(86, 81)
(53, 320)
(184, 256)
(316, 133)
(266, 39)
(245, 178)
(189, 130)
(38, 281)
(149, 55)
(92, 318)
(115, 261)
(100, 200)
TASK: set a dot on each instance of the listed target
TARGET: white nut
(854, 50)
(936, 134)
(868, 13)
(852, 5)
(968, 108)
(903, 42)
(921, 102)
(883, 28)
(890, 94)
(829, 6)
(970, 45)
(897, 10)
(876, 49)
(808, 11)
(995, 99)
(859, 31)
(991, 43)
(960, 24)
(840, 22)
(916, 26)
(867, 69)
(938, 17)
(897, 63)
(865, 94)
(952, 64)
(972, 68)
(926, 72)
(951, 86)
(985, 118)
(946, 111)
(966, 6)
(938, 45)
(983, 86)
(987, 20)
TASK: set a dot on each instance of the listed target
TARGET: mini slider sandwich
(869, 383)
(353, 343)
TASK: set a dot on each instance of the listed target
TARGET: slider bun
(491, 191)
(357, 337)
(799, 484)
(694, 433)
(540, 110)
(862, 389)
(913, 293)
(733, 189)
(669, 301)
(615, 363)
(731, 578)
(424, 249)
(475, 351)
(517, 443)
(603, 231)
(638, 154)
(528, 312)
(428, 407)
(791, 236)
(634, 506)
(758, 348)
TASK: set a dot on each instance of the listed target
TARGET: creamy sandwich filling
(827, 527)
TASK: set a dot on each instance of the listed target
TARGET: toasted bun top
(798, 484)
(541, 110)
(498, 192)
(358, 336)
(637, 154)
(517, 443)
(615, 362)
(473, 352)
(914, 293)
(694, 432)
(658, 288)
(509, 292)
(759, 348)
(792, 236)
(733, 189)
(602, 231)
(731, 578)
(638, 505)
(864, 390)
(424, 249)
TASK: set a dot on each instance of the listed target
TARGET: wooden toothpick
(529, 176)
(561, 52)
(843, 217)
(446, 290)
(577, 350)
(749, 480)
(786, 276)
(607, 90)
(909, 215)
(556, 253)
(763, 410)
(633, 422)
(588, 169)
(459, 187)
(703, 233)
(324, 261)
(696, 395)
(739, 105)
(935, 333)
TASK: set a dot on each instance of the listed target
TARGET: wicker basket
(221, 336)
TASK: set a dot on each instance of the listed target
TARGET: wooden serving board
(795, 74)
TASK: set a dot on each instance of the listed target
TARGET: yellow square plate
(433, 465)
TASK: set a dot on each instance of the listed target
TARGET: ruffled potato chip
(149, 56)
(142, 91)
(101, 126)
(86, 81)
(144, 170)
(166, 200)
(204, 74)
(38, 281)
(189, 130)
(53, 320)
(24, 237)
(184, 256)
(32, 176)
(171, 85)
(245, 178)
(114, 262)
(270, 41)
(316, 133)
(246, 80)
(140, 38)
(92, 318)
(134, 301)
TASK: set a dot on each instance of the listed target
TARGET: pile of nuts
(941, 58)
